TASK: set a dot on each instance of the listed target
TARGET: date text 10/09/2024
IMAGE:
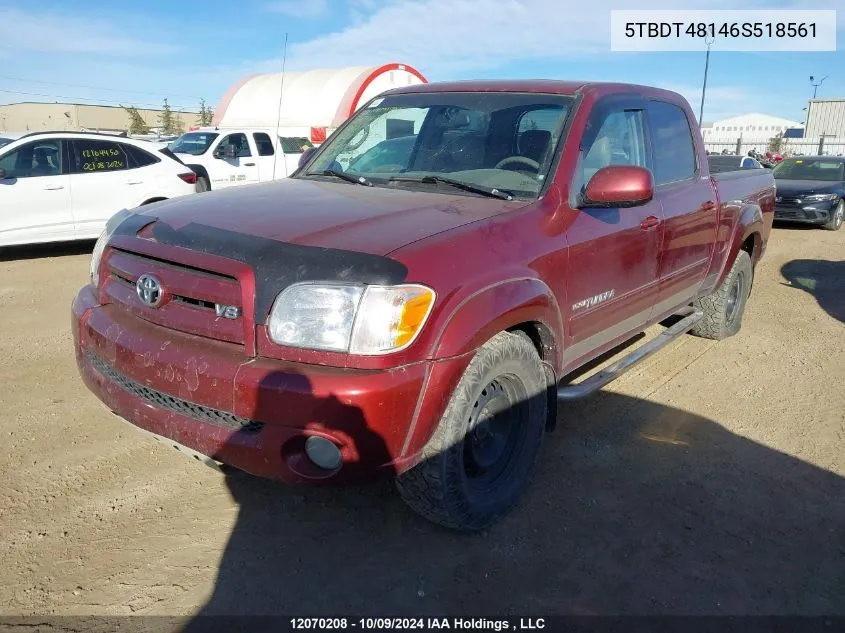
(416, 624)
(713, 29)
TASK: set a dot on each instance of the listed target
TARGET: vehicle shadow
(794, 226)
(635, 508)
(824, 279)
(42, 251)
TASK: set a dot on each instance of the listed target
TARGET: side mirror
(225, 151)
(306, 156)
(619, 186)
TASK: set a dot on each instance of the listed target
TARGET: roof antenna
(276, 141)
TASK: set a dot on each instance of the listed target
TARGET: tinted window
(40, 158)
(240, 143)
(810, 169)
(89, 156)
(264, 144)
(495, 140)
(674, 152)
(620, 140)
(723, 163)
(138, 157)
(388, 156)
(194, 143)
(294, 144)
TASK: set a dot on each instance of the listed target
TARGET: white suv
(58, 186)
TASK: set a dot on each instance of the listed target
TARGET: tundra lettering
(586, 303)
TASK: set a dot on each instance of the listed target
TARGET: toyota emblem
(149, 290)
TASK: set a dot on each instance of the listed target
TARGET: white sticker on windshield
(375, 103)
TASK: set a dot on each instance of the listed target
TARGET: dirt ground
(711, 479)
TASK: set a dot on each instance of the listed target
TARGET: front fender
(483, 313)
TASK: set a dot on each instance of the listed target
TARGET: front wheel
(482, 454)
(836, 217)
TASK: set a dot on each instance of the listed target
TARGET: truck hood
(345, 216)
(793, 188)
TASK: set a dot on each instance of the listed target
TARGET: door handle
(53, 187)
(134, 182)
(249, 164)
(649, 223)
(708, 206)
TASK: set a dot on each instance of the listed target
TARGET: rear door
(688, 203)
(146, 169)
(268, 162)
(35, 194)
(613, 253)
(238, 168)
(101, 183)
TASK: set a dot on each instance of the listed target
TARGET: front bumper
(253, 413)
(818, 213)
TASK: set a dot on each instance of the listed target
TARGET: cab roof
(547, 86)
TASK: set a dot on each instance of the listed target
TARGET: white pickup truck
(238, 156)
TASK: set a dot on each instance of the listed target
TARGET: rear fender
(749, 222)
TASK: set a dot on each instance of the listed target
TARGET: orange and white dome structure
(310, 103)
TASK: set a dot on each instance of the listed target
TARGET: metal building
(309, 103)
(37, 117)
(826, 117)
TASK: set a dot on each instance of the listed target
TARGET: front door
(35, 194)
(687, 199)
(613, 253)
(236, 167)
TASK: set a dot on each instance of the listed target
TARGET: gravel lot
(710, 479)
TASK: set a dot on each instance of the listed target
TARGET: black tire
(482, 454)
(836, 217)
(723, 309)
(202, 184)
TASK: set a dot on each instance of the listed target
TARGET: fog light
(323, 452)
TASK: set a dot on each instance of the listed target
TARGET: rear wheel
(202, 184)
(481, 457)
(723, 309)
(836, 218)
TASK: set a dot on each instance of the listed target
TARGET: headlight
(97, 255)
(102, 241)
(821, 197)
(366, 320)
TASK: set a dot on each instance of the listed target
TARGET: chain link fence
(818, 146)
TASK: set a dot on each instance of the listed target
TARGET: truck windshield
(502, 141)
(810, 169)
(194, 143)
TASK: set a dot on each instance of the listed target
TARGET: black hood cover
(276, 265)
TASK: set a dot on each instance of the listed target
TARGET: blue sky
(140, 52)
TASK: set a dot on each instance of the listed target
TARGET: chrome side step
(611, 372)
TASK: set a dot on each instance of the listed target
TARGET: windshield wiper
(460, 184)
(358, 180)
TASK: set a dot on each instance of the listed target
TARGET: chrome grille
(177, 405)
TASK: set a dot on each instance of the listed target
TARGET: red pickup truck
(408, 302)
